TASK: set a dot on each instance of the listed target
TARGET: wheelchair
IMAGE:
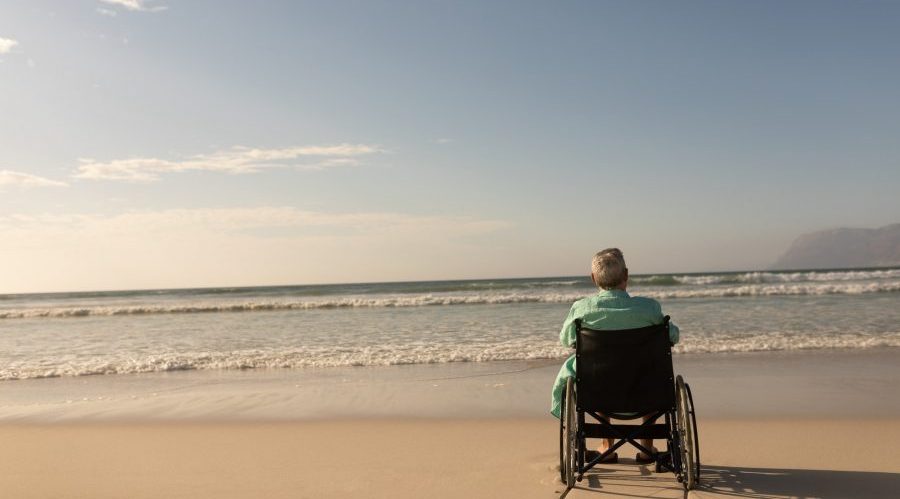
(627, 375)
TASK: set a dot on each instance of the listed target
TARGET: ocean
(381, 324)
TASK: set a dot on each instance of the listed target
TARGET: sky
(188, 143)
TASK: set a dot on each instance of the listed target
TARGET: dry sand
(380, 458)
(823, 424)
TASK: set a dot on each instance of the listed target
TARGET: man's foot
(590, 455)
(642, 458)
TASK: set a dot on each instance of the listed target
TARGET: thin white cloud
(237, 160)
(107, 12)
(9, 178)
(442, 140)
(134, 5)
(6, 45)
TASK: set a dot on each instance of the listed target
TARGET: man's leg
(646, 442)
(607, 442)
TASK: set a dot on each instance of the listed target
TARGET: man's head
(608, 269)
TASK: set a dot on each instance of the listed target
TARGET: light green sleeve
(567, 334)
(674, 332)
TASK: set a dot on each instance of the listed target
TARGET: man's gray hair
(608, 267)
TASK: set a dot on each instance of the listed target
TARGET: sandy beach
(432, 458)
(838, 440)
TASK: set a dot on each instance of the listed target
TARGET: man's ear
(593, 278)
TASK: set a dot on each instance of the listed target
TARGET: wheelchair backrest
(624, 371)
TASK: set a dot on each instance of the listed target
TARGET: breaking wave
(786, 288)
(389, 355)
(765, 277)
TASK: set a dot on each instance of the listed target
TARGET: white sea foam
(387, 355)
(778, 277)
(306, 357)
(786, 289)
(307, 304)
(445, 299)
(782, 341)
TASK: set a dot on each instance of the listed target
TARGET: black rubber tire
(685, 428)
(571, 447)
(562, 439)
(696, 441)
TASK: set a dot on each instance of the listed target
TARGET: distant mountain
(844, 248)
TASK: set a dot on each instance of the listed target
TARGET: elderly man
(611, 308)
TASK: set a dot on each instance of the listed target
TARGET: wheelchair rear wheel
(687, 431)
(696, 440)
(562, 440)
(570, 448)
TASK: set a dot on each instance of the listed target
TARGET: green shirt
(610, 309)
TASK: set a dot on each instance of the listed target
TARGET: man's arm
(567, 334)
(674, 333)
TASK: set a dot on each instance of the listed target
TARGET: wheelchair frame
(679, 429)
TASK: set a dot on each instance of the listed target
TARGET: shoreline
(729, 385)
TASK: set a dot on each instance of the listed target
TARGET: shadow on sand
(765, 483)
(751, 483)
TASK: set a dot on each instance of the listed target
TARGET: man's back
(613, 309)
